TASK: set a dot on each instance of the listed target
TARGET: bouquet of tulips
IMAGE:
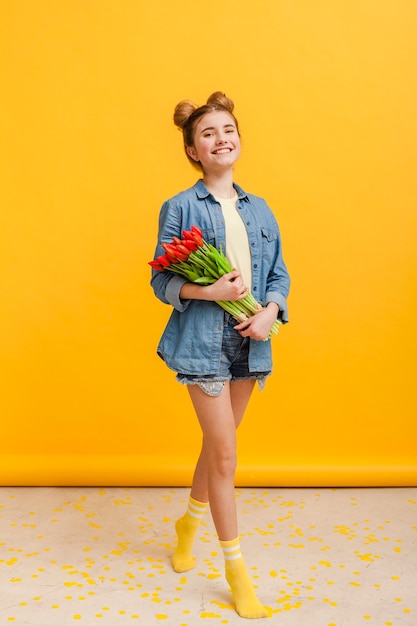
(202, 263)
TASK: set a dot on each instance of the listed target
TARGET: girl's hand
(259, 325)
(228, 287)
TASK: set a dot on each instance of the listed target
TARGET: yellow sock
(186, 528)
(246, 602)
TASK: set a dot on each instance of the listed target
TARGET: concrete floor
(319, 557)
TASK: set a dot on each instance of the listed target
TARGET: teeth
(223, 151)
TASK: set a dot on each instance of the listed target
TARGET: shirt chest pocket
(269, 242)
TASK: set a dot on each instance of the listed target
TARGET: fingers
(230, 286)
(239, 288)
(256, 327)
(231, 276)
(242, 326)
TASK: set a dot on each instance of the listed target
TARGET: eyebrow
(213, 128)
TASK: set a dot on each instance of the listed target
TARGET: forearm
(273, 308)
(191, 291)
(228, 287)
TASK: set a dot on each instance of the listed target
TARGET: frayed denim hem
(214, 387)
(260, 378)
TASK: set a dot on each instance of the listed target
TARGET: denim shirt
(191, 342)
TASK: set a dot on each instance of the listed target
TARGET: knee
(224, 463)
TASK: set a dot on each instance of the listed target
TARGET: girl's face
(216, 141)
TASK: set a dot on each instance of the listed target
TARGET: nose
(221, 139)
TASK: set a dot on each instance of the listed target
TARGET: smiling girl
(218, 359)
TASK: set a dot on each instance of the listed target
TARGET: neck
(220, 186)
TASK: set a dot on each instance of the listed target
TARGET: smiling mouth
(222, 151)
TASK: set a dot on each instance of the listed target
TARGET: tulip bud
(180, 256)
(164, 260)
(169, 249)
(173, 252)
(156, 266)
(198, 239)
(184, 249)
(195, 234)
(191, 244)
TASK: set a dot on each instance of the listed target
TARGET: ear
(191, 151)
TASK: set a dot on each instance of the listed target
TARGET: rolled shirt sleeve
(172, 293)
(281, 301)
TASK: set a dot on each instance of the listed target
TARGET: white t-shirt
(237, 244)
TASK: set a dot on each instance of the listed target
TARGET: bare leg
(240, 393)
(215, 472)
(234, 401)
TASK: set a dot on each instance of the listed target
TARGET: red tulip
(197, 230)
(156, 266)
(180, 256)
(195, 234)
(184, 249)
(168, 247)
(160, 263)
(198, 235)
(173, 252)
(191, 244)
(164, 260)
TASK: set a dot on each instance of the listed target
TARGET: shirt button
(254, 288)
(255, 266)
(253, 243)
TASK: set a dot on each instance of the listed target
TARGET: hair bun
(218, 98)
(182, 112)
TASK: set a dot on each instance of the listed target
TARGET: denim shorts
(233, 363)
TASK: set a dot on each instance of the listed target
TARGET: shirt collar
(202, 191)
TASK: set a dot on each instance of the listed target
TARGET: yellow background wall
(326, 97)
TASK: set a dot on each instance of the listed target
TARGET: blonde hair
(187, 115)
